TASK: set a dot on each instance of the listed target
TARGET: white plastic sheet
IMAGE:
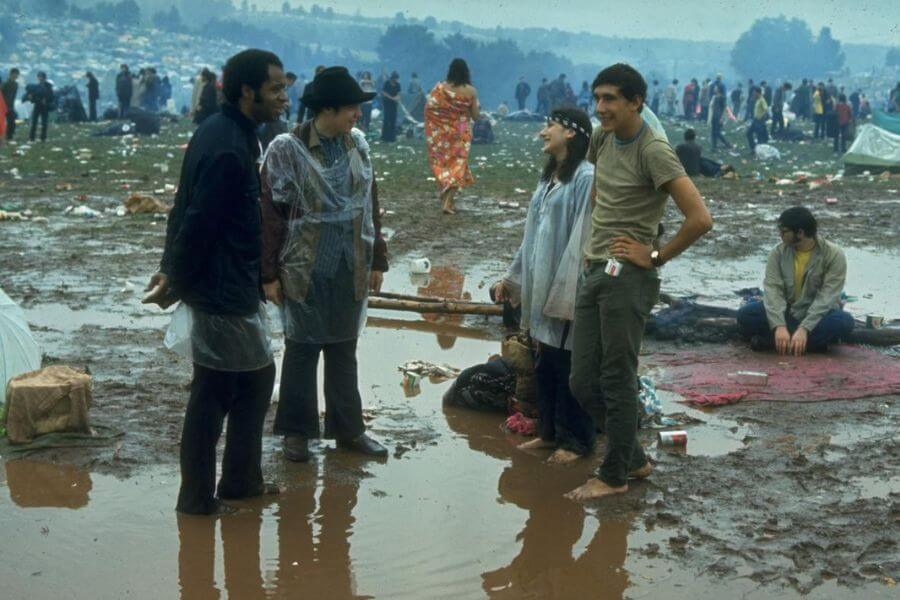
(19, 353)
(874, 147)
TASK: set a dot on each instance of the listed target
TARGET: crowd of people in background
(768, 110)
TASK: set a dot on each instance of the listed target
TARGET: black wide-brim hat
(334, 86)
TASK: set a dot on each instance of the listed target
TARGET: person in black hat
(322, 253)
(390, 98)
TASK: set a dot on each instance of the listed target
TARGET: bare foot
(594, 489)
(562, 457)
(537, 444)
(642, 472)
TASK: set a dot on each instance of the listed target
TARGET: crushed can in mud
(411, 384)
(673, 438)
(750, 377)
(874, 321)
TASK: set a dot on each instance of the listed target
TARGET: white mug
(420, 265)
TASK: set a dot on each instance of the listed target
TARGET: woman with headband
(544, 275)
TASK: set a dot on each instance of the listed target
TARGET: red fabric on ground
(844, 373)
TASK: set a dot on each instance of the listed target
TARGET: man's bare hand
(376, 279)
(625, 248)
(273, 292)
(798, 342)
(159, 291)
(782, 339)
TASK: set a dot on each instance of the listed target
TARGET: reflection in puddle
(460, 513)
(35, 483)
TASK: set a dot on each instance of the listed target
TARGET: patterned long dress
(448, 134)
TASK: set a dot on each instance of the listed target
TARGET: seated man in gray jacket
(805, 275)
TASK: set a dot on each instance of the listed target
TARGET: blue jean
(757, 133)
(562, 419)
(835, 325)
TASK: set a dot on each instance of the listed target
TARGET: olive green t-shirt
(628, 178)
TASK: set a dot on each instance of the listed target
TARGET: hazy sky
(853, 21)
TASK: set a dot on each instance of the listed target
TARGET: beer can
(874, 321)
(750, 377)
(673, 438)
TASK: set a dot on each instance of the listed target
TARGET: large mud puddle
(456, 511)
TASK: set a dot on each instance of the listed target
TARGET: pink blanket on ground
(702, 375)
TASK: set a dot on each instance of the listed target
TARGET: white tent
(874, 147)
(19, 353)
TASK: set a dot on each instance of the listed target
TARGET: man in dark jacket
(124, 89)
(93, 88)
(41, 96)
(10, 89)
(211, 262)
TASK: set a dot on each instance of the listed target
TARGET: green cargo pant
(610, 314)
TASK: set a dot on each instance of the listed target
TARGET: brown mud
(769, 500)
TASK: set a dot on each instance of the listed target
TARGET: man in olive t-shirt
(636, 170)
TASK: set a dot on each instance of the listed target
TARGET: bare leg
(448, 206)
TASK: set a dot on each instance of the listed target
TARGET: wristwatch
(655, 259)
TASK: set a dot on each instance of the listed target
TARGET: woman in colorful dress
(451, 108)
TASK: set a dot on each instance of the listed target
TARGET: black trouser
(562, 419)
(124, 105)
(716, 137)
(840, 140)
(819, 129)
(521, 102)
(298, 405)
(777, 121)
(366, 115)
(42, 113)
(10, 124)
(244, 398)
(389, 124)
(92, 109)
(610, 314)
(757, 133)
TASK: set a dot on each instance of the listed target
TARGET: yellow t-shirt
(801, 259)
(818, 107)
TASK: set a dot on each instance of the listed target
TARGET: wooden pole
(433, 305)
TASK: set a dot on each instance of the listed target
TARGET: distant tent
(889, 121)
(874, 147)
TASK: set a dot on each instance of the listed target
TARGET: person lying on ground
(211, 262)
(543, 277)
(690, 153)
(801, 307)
(635, 171)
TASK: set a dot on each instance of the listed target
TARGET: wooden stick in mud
(433, 305)
(394, 296)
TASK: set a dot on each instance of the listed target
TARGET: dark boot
(364, 445)
(296, 448)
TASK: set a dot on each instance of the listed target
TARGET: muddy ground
(784, 499)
